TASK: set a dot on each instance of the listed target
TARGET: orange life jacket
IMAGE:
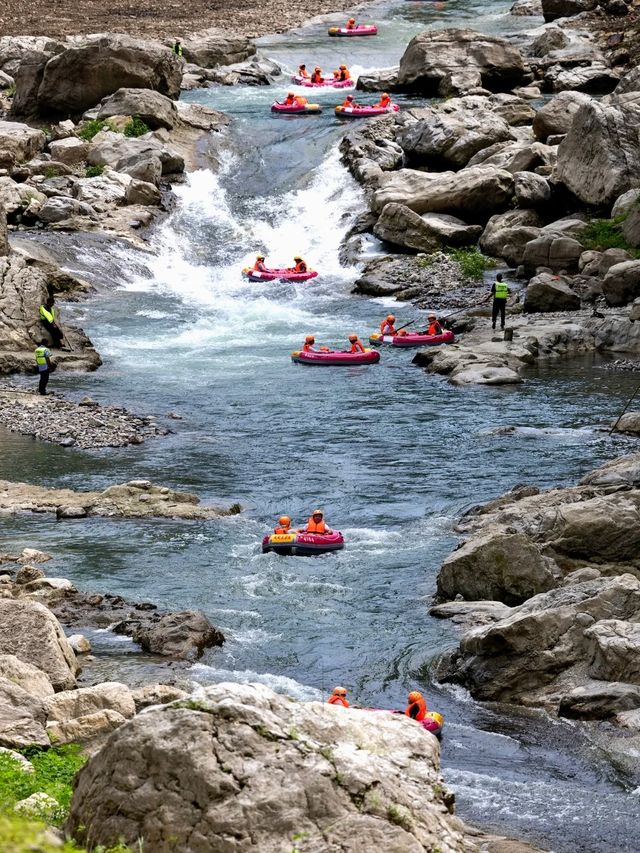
(351, 25)
(315, 526)
(345, 75)
(282, 530)
(308, 348)
(338, 700)
(384, 102)
(417, 710)
(435, 328)
(317, 77)
(259, 267)
(290, 99)
(387, 328)
(300, 101)
(348, 103)
(300, 267)
(357, 346)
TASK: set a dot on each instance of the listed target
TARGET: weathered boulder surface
(599, 158)
(26, 675)
(399, 225)
(82, 715)
(31, 632)
(473, 192)
(215, 47)
(506, 234)
(244, 767)
(552, 250)
(621, 283)
(556, 116)
(22, 717)
(185, 634)
(154, 109)
(116, 151)
(614, 650)
(19, 143)
(549, 293)
(84, 73)
(554, 9)
(433, 55)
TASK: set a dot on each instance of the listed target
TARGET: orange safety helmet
(353, 337)
(391, 318)
(415, 696)
(343, 68)
(339, 691)
(309, 339)
(284, 519)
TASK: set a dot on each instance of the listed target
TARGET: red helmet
(309, 339)
(391, 318)
(284, 520)
(415, 696)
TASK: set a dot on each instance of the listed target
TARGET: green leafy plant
(94, 171)
(136, 127)
(400, 816)
(602, 234)
(471, 261)
(54, 773)
(91, 129)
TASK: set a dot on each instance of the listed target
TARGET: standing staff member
(500, 293)
(48, 320)
(43, 362)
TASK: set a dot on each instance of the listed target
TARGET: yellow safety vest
(501, 291)
(40, 355)
(49, 316)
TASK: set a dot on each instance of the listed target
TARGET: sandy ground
(159, 18)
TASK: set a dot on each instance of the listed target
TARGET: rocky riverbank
(135, 499)
(547, 588)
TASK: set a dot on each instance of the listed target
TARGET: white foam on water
(278, 683)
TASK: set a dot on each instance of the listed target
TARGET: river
(392, 455)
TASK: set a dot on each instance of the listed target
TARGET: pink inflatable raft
(365, 111)
(446, 337)
(303, 544)
(296, 109)
(335, 357)
(330, 83)
(278, 275)
(360, 30)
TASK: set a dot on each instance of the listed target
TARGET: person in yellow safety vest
(500, 292)
(43, 363)
(177, 48)
(48, 320)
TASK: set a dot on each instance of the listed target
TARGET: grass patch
(94, 171)
(471, 261)
(55, 770)
(91, 128)
(136, 127)
(400, 816)
(602, 234)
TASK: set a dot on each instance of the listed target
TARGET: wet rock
(546, 293)
(154, 109)
(556, 116)
(599, 700)
(383, 80)
(113, 149)
(629, 423)
(470, 614)
(22, 717)
(80, 644)
(96, 66)
(473, 192)
(434, 54)
(19, 143)
(27, 574)
(180, 635)
(527, 8)
(600, 156)
(630, 82)
(31, 632)
(622, 283)
(554, 9)
(143, 167)
(142, 192)
(310, 782)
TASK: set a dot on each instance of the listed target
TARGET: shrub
(471, 261)
(135, 127)
(604, 234)
(94, 171)
(91, 129)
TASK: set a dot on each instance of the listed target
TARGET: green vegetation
(94, 171)
(400, 816)
(602, 234)
(18, 835)
(55, 769)
(91, 129)
(471, 260)
(136, 127)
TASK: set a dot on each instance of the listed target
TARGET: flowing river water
(393, 455)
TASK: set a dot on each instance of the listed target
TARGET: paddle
(629, 401)
(406, 325)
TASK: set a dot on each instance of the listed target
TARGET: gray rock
(556, 116)
(184, 634)
(631, 226)
(383, 80)
(434, 54)
(507, 234)
(611, 257)
(599, 700)
(527, 8)
(513, 109)
(615, 648)
(552, 38)
(142, 167)
(154, 109)
(596, 79)
(22, 717)
(624, 203)
(142, 192)
(62, 209)
(630, 82)
(554, 9)
(531, 190)
(156, 694)
(549, 293)
(399, 225)
(18, 143)
(629, 423)
(217, 47)
(554, 251)
(25, 675)
(112, 149)
(622, 283)
(71, 151)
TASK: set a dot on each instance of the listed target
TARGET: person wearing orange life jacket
(317, 77)
(349, 102)
(387, 326)
(259, 265)
(385, 101)
(302, 72)
(339, 697)
(356, 344)
(336, 76)
(351, 24)
(316, 524)
(417, 707)
(344, 73)
(300, 265)
(434, 327)
(284, 525)
(309, 341)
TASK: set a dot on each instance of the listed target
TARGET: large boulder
(531, 190)
(154, 109)
(184, 634)
(97, 66)
(88, 713)
(115, 150)
(474, 192)
(71, 151)
(19, 143)
(549, 293)
(27, 80)
(554, 9)
(600, 156)
(22, 717)
(621, 283)
(433, 55)
(552, 250)
(214, 47)
(507, 234)
(495, 566)
(556, 116)
(448, 135)
(596, 78)
(551, 38)
(630, 82)
(399, 225)
(26, 675)
(32, 633)
(615, 650)
(243, 767)
(631, 226)
(62, 209)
